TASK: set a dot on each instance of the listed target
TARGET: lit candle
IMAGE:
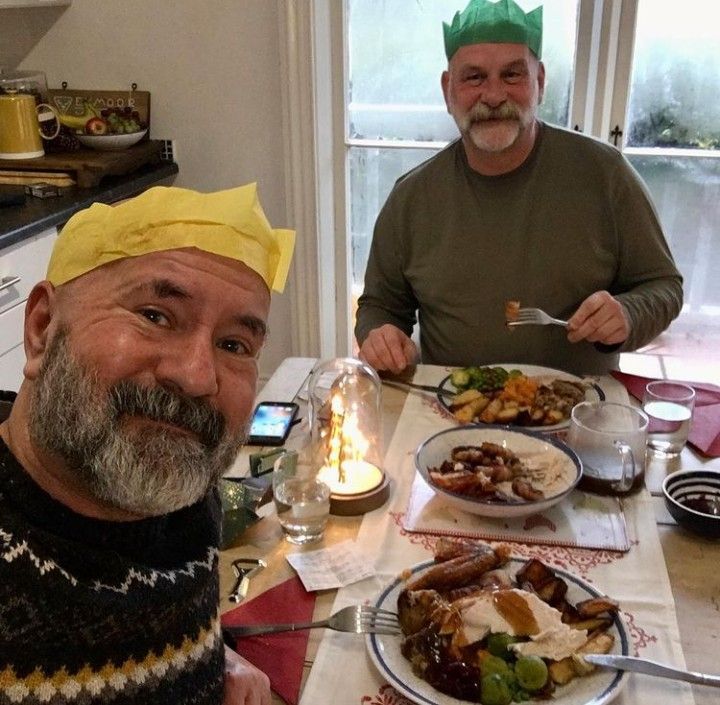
(357, 476)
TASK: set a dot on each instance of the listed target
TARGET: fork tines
(378, 621)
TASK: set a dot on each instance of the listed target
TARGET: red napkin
(705, 426)
(280, 656)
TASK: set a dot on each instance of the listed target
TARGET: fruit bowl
(110, 142)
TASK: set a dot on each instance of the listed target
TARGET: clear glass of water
(669, 405)
(302, 502)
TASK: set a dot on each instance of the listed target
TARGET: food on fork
(512, 309)
(483, 636)
(497, 395)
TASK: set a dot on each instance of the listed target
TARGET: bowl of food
(693, 499)
(495, 471)
(111, 142)
(519, 395)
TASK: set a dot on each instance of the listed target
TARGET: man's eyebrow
(165, 288)
(162, 288)
(254, 324)
(518, 64)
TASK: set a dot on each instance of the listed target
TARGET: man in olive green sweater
(514, 210)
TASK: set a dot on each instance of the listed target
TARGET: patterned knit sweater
(106, 612)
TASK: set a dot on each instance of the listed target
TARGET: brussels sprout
(494, 664)
(498, 643)
(494, 690)
(460, 379)
(531, 672)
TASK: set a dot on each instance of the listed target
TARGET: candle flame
(346, 444)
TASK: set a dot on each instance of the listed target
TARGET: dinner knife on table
(419, 387)
(650, 668)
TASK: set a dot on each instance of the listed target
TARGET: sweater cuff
(603, 348)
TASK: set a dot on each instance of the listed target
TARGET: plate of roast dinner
(481, 626)
(516, 395)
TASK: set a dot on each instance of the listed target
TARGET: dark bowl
(691, 497)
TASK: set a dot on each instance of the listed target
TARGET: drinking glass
(610, 440)
(302, 501)
(669, 405)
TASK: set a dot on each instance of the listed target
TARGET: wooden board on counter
(88, 166)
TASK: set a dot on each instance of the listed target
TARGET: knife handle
(687, 676)
(653, 668)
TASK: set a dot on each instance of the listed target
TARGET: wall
(213, 71)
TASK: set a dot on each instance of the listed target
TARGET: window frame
(313, 38)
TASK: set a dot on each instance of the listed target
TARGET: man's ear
(444, 83)
(39, 312)
(541, 81)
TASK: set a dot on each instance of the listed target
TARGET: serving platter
(598, 688)
(545, 374)
(531, 447)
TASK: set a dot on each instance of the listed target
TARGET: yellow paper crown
(229, 223)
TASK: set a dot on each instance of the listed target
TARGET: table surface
(692, 562)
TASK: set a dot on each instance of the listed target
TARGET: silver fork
(359, 619)
(535, 316)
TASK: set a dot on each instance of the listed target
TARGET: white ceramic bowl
(111, 143)
(530, 446)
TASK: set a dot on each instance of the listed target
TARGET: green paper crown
(483, 22)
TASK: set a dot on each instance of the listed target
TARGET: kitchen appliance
(23, 114)
(31, 83)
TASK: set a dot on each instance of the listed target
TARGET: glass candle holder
(345, 398)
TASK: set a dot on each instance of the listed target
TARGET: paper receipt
(332, 567)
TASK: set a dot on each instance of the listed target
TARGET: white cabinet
(21, 266)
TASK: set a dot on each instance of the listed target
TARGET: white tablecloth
(343, 673)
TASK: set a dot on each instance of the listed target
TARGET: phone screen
(271, 422)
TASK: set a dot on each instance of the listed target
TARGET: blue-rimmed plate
(545, 454)
(545, 375)
(598, 688)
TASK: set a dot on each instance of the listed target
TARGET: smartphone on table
(271, 423)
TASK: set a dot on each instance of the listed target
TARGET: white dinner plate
(598, 688)
(593, 393)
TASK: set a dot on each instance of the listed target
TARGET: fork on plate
(359, 619)
(536, 317)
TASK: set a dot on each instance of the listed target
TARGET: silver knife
(419, 387)
(650, 668)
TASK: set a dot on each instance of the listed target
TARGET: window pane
(685, 191)
(676, 76)
(396, 56)
(372, 175)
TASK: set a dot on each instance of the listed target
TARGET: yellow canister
(20, 134)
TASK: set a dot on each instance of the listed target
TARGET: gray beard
(487, 138)
(147, 470)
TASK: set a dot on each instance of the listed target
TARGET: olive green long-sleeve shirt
(452, 246)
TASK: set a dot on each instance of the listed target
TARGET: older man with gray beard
(514, 210)
(141, 373)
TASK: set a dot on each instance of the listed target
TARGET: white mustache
(481, 112)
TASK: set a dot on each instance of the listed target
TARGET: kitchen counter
(18, 223)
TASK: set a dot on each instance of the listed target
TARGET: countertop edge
(60, 210)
